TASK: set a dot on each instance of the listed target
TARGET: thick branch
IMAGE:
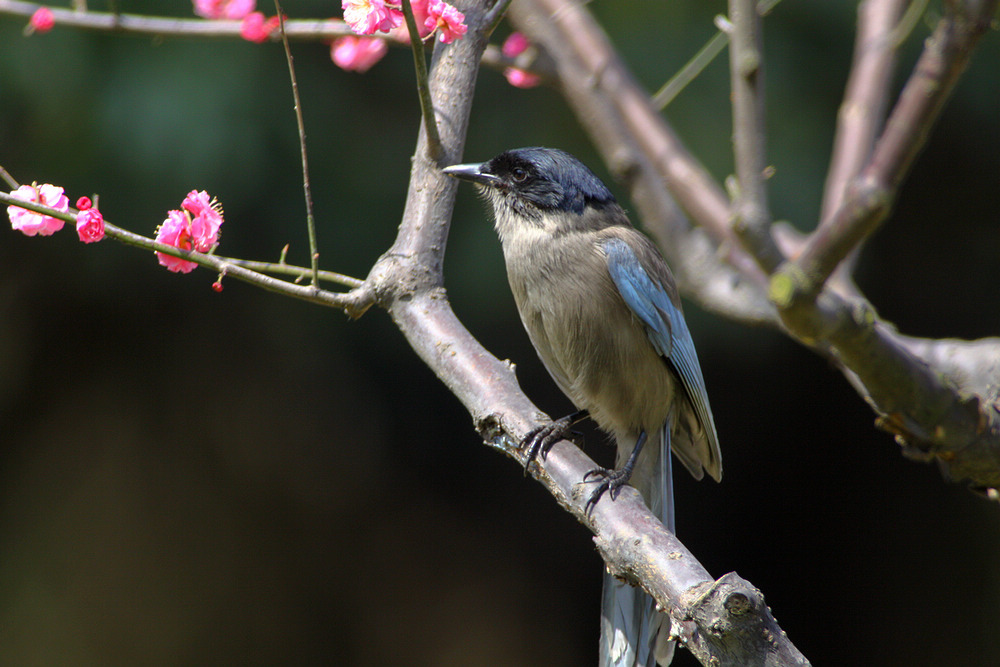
(407, 280)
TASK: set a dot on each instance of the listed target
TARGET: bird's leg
(614, 480)
(540, 440)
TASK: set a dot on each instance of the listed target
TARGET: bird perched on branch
(603, 313)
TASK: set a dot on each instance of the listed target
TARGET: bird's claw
(612, 482)
(540, 439)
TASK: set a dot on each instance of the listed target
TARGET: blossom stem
(434, 148)
(495, 15)
(281, 268)
(5, 175)
(310, 218)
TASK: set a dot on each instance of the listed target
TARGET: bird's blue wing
(665, 328)
(648, 300)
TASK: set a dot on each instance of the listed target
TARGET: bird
(602, 310)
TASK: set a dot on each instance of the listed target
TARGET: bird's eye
(518, 174)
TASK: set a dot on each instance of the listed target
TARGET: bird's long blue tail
(633, 633)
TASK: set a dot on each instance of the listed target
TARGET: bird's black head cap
(549, 179)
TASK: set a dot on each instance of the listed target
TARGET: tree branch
(870, 196)
(407, 281)
(751, 213)
(861, 113)
(162, 26)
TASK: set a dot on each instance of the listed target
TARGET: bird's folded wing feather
(665, 328)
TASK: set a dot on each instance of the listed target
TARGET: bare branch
(751, 213)
(862, 112)
(300, 124)
(932, 408)
(870, 196)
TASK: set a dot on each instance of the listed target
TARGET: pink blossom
(204, 226)
(515, 45)
(233, 10)
(42, 20)
(90, 225)
(83, 203)
(196, 227)
(366, 17)
(175, 231)
(446, 19)
(357, 54)
(196, 202)
(31, 223)
(257, 29)
(520, 78)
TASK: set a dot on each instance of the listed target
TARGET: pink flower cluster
(255, 27)
(195, 227)
(357, 54)
(31, 223)
(514, 46)
(234, 10)
(366, 17)
(89, 221)
(446, 20)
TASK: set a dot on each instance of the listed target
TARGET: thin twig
(700, 60)
(237, 269)
(310, 218)
(5, 175)
(281, 268)
(690, 71)
(914, 11)
(138, 24)
(434, 149)
(495, 15)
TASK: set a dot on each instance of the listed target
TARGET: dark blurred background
(192, 478)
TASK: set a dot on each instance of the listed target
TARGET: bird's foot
(612, 482)
(540, 439)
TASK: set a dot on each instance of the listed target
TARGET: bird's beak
(473, 173)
